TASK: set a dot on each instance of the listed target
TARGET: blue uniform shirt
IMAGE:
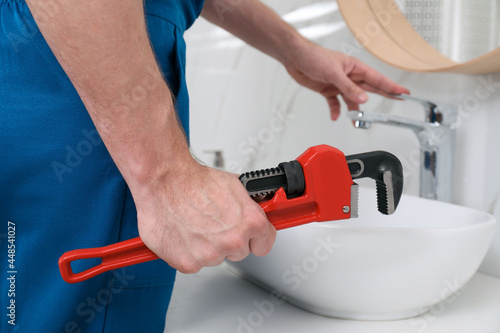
(60, 190)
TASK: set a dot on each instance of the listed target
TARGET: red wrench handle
(122, 254)
(126, 253)
(328, 190)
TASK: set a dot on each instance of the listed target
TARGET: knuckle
(262, 247)
(239, 256)
(254, 218)
(211, 257)
(188, 266)
(235, 242)
(262, 251)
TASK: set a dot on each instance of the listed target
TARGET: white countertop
(215, 300)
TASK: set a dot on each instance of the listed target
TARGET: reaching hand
(333, 73)
(200, 216)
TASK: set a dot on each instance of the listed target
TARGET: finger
(351, 90)
(209, 256)
(214, 263)
(186, 265)
(368, 75)
(350, 104)
(261, 245)
(375, 90)
(240, 253)
(334, 105)
(238, 257)
(372, 89)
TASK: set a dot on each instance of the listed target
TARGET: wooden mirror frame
(383, 30)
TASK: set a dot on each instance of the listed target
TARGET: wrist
(165, 182)
(297, 46)
(158, 162)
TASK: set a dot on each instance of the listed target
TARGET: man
(94, 151)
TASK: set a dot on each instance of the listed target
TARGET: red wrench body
(327, 197)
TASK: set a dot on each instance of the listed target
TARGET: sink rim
(329, 225)
(483, 219)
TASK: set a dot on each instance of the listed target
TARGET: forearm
(104, 48)
(256, 24)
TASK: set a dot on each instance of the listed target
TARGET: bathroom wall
(244, 103)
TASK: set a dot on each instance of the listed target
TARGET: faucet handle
(435, 112)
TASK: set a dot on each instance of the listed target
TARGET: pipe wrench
(318, 186)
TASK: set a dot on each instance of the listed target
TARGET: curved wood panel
(383, 30)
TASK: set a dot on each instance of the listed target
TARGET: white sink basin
(376, 267)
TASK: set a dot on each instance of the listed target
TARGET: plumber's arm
(189, 215)
(328, 72)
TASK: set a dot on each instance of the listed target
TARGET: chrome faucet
(437, 143)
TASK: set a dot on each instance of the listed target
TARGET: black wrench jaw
(386, 170)
(288, 175)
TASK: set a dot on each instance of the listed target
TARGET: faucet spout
(363, 119)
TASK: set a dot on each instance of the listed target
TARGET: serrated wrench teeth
(263, 182)
(386, 170)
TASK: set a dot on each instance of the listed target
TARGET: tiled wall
(244, 103)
